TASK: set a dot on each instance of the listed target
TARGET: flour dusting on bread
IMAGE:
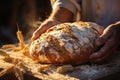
(67, 43)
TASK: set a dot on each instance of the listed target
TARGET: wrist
(61, 14)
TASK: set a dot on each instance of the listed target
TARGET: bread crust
(66, 43)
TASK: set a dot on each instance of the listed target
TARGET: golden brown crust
(66, 43)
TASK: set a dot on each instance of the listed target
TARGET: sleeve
(71, 5)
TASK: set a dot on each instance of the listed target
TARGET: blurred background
(28, 14)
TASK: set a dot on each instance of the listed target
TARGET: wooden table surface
(109, 70)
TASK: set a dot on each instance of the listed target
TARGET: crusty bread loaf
(66, 43)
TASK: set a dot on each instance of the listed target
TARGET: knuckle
(100, 41)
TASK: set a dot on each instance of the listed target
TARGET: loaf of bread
(66, 43)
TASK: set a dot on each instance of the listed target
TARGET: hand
(43, 27)
(109, 41)
(57, 16)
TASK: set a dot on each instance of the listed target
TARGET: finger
(100, 59)
(105, 56)
(104, 50)
(103, 38)
(38, 32)
(46, 25)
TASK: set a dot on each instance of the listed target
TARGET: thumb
(102, 39)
